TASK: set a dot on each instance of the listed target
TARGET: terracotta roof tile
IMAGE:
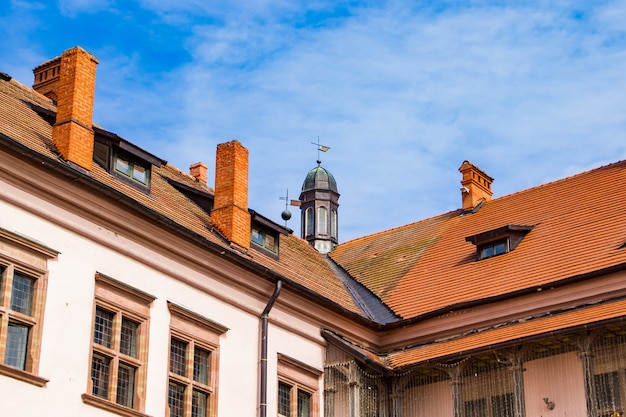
(428, 266)
(485, 339)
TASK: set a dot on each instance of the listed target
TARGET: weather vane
(320, 148)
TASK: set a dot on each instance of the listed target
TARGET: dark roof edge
(336, 340)
(82, 177)
(502, 297)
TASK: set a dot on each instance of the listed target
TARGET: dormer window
(265, 240)
(129, 163)
(265, 234)
(498, 241)
(133, 169)
(492, 249)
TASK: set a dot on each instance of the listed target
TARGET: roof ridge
(404, 226)
(559, 180)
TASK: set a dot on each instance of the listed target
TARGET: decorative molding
(23, 375)
(111, 407)
(125, 289)
(196, 319)
(28, 243)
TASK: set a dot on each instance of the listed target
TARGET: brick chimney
(199, 172)
(230, 209)
(476, 186)
(71, 80)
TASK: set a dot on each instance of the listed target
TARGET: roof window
(129, 163)
(498, 241)
(265, 234)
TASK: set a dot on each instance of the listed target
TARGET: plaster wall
(87, 248)
(558, 378)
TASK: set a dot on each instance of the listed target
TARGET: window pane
(139, 173)
(100, 370)
(2, 268)
(304, 404)
(322, 228)
(128, 338)
(333, 223)
(487, 252)
(257, 236)
(270, 243)
(499, 248)
(103, 327)
(125, 385)
(17, 341)
(201, 366)
(22, 294)
(198, 404)
(122, 166)
(284, 399)
(309, 221)
(175, 400)
(178, 357)
(608, 394)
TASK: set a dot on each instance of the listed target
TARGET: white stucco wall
(67, 327)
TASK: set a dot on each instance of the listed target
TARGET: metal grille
(201, 365)
(125, 385)
(100, 371)
(199, 404)
(16, 344)
(176, 399)
(128, 338)
(609, 370)
(22, 294)
(103, 327)
(178, 357)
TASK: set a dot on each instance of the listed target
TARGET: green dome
(319, 179)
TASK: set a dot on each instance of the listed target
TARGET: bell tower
(319, 203)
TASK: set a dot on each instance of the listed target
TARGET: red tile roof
(580, 223)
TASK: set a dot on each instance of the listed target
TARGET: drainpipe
(264, 322)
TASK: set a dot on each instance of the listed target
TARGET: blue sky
(402, 91)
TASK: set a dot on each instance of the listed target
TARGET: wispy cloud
(403, 92)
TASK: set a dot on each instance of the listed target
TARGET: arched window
(322, 224)
(333, 224)
(308, 222)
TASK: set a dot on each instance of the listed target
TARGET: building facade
(129, 287)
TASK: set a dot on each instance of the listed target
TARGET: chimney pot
(475, 186)
(199, 172)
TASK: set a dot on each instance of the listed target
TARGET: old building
(129, 287)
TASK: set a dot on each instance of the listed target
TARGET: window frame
(268, 241)
(19, 254)
(124, 302)
(301, 378)
(196, 332)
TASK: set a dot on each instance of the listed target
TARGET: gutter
(264, 324)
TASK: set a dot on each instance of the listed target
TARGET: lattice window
(297, 388)
(194, 353)
(23, 281)
(119, 346)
